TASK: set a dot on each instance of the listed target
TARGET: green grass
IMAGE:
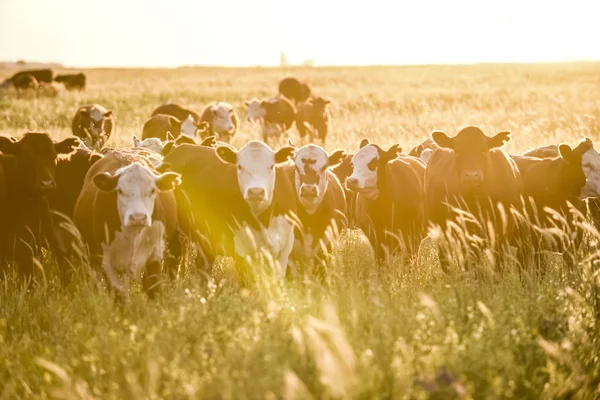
(392, 331)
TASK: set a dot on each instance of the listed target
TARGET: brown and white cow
(242, 201)
(321, 202)
(276, 115)
(389, 204)
(160, 125)
(222, 121)
(471, 172)
(312, 119)
(93, 124)
(126, 213)
(176, 110)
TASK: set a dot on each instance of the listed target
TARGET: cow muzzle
(47, 185)
(137, 220)
(309, 191)
(256, 195)
(352, 184)
(472, 177)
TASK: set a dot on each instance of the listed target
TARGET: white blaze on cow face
(426, 155)
(137, 187)
(222, 121)
(152, 144)
(255, 164)
(255, 110)
(364, 173)
(311, 176)
(188, 127)
(590, 161)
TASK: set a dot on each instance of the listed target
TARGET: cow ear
(441, 139)
(284, 154)
(247, 102)
(227, 154)
(67, 146)
(363, 143)
(209, 141)
(167, 148)
(136, 141)
(565, 152)
(202, 126)
(106, 182)
(108, 114)
(95, 157)
(391, 153)
(336, 158)
(499, 139)
(170, 136)
(183, 139)
(164, 167)
(168, 181)
(8, 146)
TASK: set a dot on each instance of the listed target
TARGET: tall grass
(400, 330)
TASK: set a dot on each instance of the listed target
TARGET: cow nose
(138, 219)
(352, 183)
(47, 185)
(256, 194)
(308, 191)
(471, 177)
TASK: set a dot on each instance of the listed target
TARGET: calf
(126, 212)
(222, 121)
(176, 110)
(470, 172)
(243, 202)
(294, 90)
(72, 81)
(160, 125)
(389, 203)
(321, 203)
(93, 124)
(28, 177)
(312, 119)
(277, 115)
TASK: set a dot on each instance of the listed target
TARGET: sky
(151, 33)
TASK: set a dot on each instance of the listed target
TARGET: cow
(222, 121)
(126, 213)
(176, 110)
(28, 178)
(471, 172)
(294, 90)
(321, 203)
(163, 148)
(554, 176)
(312, 119)
(24, 82)
(159, 125)
(72, 81)
(389, 201)
(424, 150)
(93, 124)
(277, 115)
(243, 202)
(40, 75)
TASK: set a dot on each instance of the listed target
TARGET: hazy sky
(253, 32)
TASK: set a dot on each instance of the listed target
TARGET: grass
(377, 331)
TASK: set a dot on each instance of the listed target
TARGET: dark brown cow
(159, 125)
(28, 171)
(312, 119)
(294, 90)
(176, 110)
(389, 204)
(222, 120)
(126, 213)
(72, 81)
(40, 75)
(242, 201)
(342, 171)
(24, 82)
(469, 171)
(93, 124)
(321, 203)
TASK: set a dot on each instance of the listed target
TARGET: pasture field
(403, 330)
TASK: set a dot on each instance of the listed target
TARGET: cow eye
(151, 192)
(239, 167)
(273, 166)
(120, 192)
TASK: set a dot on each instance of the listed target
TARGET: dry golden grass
(377, 331)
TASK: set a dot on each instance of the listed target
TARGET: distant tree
(308, 63)
(283, 61)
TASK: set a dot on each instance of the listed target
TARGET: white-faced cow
(276, 115)
(93, 124)
(222, 121)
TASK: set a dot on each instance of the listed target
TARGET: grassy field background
(377, 331)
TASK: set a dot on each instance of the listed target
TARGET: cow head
(584, 171)
(255, 110)
(365, 166)
(255, 164)
(37, 157)
(304, 92)
(319, 104)
(94, 126)
(222, 118)
(137, 187)
(312, 163)
(472, 149)
(153, 144)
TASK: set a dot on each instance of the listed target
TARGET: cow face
(96, 119)
(311, 180)
(365, 166)
(152, 144)
(472, 149)
(255, 110)
(136, 187)
(222, 119)
(37, 156)
(255, 164)
(319, 104)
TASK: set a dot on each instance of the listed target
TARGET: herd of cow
(36, 78)
(128, 211)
